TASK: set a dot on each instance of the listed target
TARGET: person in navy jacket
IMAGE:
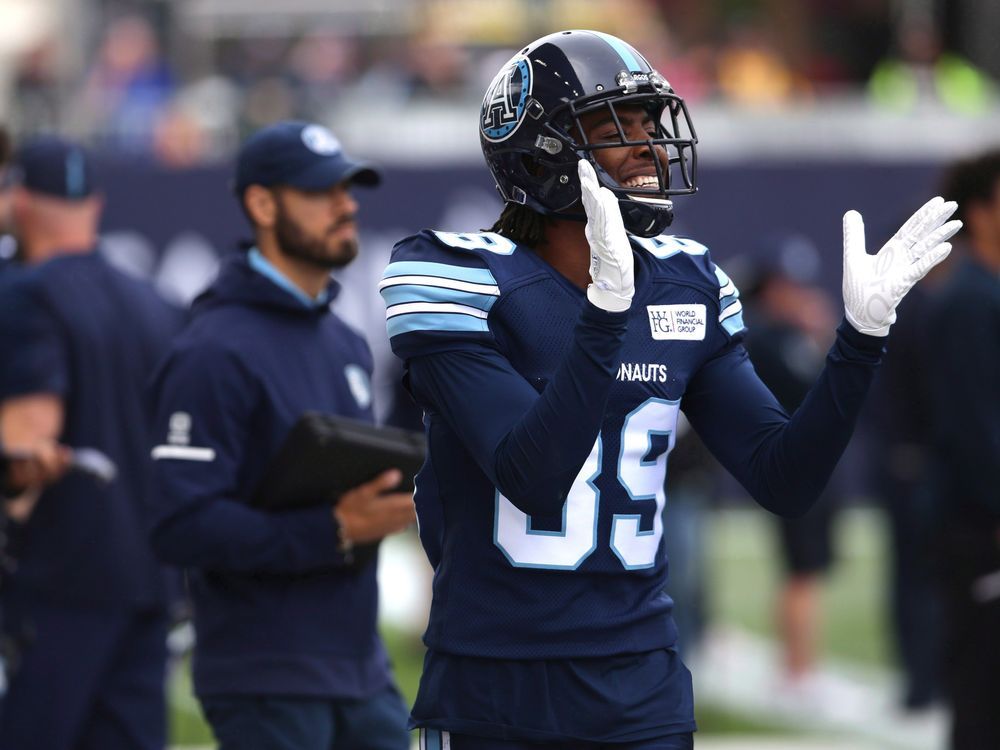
(287, 652)
(84, 600)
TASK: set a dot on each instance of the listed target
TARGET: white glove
(875, 284)
(610, 251)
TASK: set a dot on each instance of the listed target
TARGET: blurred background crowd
(181, 81)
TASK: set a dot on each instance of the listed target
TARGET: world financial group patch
(677, 322)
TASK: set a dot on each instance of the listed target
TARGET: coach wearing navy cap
(287, 652)
(300, 155)
(85, 600)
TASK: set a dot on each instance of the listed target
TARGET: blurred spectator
(691, 71)
(964, 365)
(201, 122)
(322, 63)
(922, 72)
(752, 71)
(178, 139)
(901, 460)
(8, 246)
(692, 486)
(436, 67)
(36, 89)
(268, 100)
(86, 605)
(847, 39)
(127, 88)
(789, 325)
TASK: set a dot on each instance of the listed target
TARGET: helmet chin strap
(641, 218)
(644, 219)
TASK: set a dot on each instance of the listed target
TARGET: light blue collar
(264, 267)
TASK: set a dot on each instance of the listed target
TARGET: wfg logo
(505, 100)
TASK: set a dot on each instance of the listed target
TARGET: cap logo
(320, 140)
(506, 99)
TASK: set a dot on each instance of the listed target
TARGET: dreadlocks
(521, 224)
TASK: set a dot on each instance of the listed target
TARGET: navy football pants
(87, 678)
(250, 722)
(433, 739)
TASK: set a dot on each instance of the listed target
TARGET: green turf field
(743, 574)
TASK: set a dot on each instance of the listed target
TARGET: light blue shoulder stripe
(727, 301)
(631, 63)
(397, 295)
(412, 322)
(443, 270)
(734, 324)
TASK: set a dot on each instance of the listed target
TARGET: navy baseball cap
(54, 166)
(299, 154)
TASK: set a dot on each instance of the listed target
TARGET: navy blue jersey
(79, 329)
(549, 424)
(609, 527)
(276, 609)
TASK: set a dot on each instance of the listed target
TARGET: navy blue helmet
(532, 138)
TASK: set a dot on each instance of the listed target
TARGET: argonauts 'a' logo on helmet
(505, 100)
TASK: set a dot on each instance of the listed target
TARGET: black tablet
(324, 456)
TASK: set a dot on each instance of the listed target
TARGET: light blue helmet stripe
(397, 295)
(411, 322)
(444, 270)
(623, 50)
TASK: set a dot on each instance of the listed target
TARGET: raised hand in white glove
(875, 284)
(610, 252)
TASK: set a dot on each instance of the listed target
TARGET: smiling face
(630, 166)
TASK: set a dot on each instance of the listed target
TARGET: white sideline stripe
(730, 311)
(434, 307)
(438, 281)
(183, 452)
(728, 289)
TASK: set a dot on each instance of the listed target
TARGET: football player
(551, 357)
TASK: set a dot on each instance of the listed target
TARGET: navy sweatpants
(251, 722)
(85, 678)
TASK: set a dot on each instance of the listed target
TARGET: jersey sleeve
(529, 445)
(204, 400)
(32, 346)
(783, 462)
(438, 298)
(730, 307)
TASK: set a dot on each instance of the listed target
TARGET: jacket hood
(239, 284)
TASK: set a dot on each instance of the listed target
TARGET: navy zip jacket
(276, 610)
